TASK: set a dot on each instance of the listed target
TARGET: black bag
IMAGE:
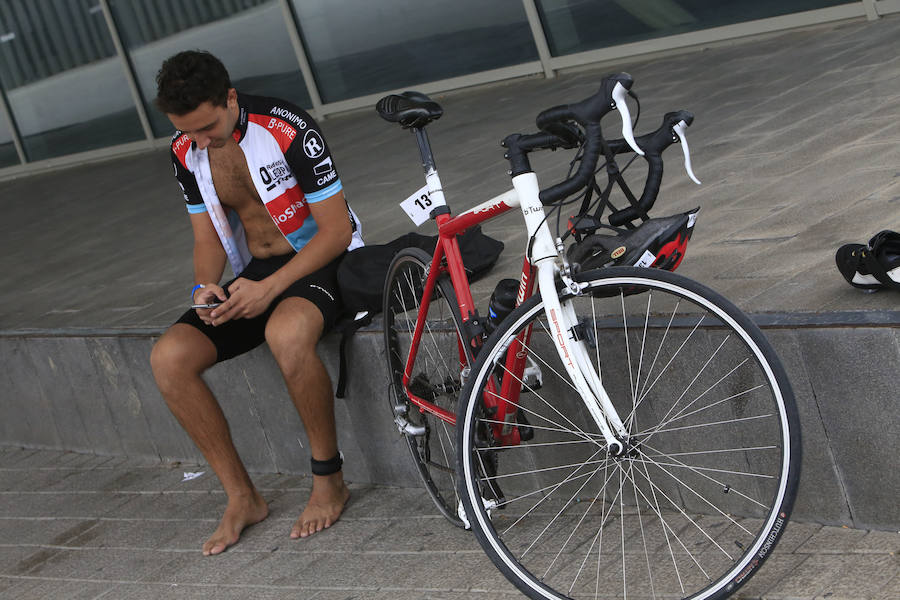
(362, 272)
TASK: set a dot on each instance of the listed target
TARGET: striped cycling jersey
(289, 162)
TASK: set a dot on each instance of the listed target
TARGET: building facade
(78, 76)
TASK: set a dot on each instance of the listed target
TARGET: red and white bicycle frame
(542, 266)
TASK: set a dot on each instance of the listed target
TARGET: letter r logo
(313, 146)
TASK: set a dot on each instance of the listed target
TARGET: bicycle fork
(563, 321)
(576, 359)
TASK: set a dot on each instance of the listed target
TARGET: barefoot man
(263, 194)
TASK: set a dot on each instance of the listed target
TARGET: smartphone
(211, 305)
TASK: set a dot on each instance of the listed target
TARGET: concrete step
(94, 392)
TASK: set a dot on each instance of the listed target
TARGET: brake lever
(618, 96)
(679, 129)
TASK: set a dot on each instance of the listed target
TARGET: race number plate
(419, 206)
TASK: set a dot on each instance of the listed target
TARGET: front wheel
(704, 487)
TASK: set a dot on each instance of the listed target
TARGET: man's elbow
(344, 236)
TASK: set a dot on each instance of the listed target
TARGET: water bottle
(503, 301)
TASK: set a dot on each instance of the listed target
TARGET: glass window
(8, 155)
(579, 25)
(360, 47)
(64, 83)
(248, 36)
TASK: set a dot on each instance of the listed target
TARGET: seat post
(424, 149)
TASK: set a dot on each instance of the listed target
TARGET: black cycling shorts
(237, 336)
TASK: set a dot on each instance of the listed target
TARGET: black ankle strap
(327, 467)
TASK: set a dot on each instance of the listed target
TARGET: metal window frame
(13, 129)
(547, 65)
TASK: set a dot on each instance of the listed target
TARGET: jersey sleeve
(312, 164)
(192, 197)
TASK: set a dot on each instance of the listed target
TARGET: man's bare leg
(292, 333)
(178, 359)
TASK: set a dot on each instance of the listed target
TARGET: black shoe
(873, 266)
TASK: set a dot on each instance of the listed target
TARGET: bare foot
(239, 514)
(326, 503)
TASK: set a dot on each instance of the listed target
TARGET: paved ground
(80, 526)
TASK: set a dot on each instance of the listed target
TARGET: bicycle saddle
(410, 109)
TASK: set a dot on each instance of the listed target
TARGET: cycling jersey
(290, 166)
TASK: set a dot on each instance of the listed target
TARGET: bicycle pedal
(532, 378)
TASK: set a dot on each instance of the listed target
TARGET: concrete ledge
(92, 391)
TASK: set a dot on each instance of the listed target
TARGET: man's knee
(294, 329)
(181, 351)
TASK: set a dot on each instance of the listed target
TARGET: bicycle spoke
(664, 526)
(718, 451)
(509, 501)
(637, 377)
(682, 415)
(722, 485)
(553, 520)
(694, 380)
(659, 428)
(542, 500)
(576, 466)
(669, 528)
(713, 423)
(560, 427)
(696, 493)
(676, 355)
(659, 347)
(530, 445)
(643, 535)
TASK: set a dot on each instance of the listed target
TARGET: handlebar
(587, 114)
(654, 143)
(558, 129)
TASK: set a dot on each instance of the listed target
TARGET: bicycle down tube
(543, 259)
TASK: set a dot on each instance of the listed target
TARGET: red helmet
(658, 243)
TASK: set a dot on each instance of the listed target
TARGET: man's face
(209, 125)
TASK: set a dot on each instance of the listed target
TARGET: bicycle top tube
(485, 211)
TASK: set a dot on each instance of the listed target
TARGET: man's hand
(208, 294)
(247, 299)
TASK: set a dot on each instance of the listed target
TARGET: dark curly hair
(188, 79)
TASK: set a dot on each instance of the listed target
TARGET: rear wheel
(704, 487)
(435, 376)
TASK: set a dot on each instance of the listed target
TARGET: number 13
(423, 201)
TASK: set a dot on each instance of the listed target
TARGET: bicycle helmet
(658, 243)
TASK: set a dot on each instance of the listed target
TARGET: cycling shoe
(873, 266)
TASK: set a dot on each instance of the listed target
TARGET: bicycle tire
(436, 376)
(705, 488)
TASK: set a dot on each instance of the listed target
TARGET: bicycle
(625, 430)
